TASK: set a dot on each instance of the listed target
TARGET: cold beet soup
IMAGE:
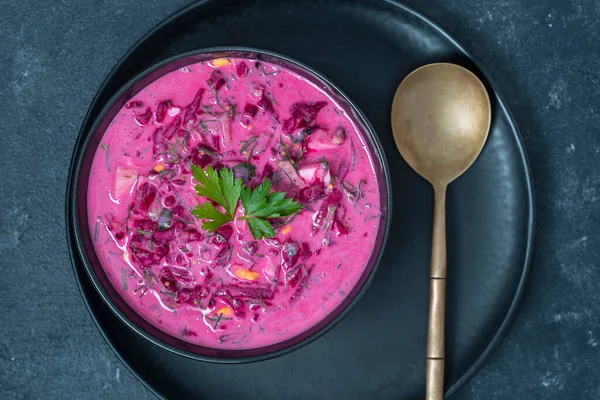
(233, 204)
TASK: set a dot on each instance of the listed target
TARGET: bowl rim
(74, 231)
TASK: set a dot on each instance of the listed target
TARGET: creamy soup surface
(226, 288)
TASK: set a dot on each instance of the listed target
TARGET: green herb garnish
(106, 148)
(97, 230)
(260, 204)
(124, 278)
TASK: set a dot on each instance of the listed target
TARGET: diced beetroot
(134, 104)
(250, 248)
(334, 198)
(189, 235)
(185, 296)
(146, 225)
(144, 197)
(178, 182)
(250, 110)
(305, 251)
(181, 133)
(194, 107)
(216, 79)
(179, 211)
(190, 116)
(178, 225)
(202, 156)
(200, 292)
(168, 280)
(305, 111)
(216, 240)
(142, 252)
(140, 242)
(159, 147)
(311, 193)
(164, 237)
(161, 252)
(303, 115)
(143, 258)
(289, 125)
(169, 201)
(267, 172)
(181, 274)
(161, 110)
(296, 275)
(223, 255)
(167, 133)
(340, 227)
(225, 231)
(266, 104)
(290, 253)
(216, 144)
(246, 291)
(195, 104)
(116, 228)
(241, 69)
(237, 305)
(143, 118)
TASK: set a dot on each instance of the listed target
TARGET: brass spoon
(440, 118)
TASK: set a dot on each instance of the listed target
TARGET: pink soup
(225, 289)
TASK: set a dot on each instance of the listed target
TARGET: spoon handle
(437, 300)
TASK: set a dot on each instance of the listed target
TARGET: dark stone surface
(544, 57)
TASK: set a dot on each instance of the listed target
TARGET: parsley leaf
(278, 206)
(260, 204)
(231, 190)
(260, 228)
(214, 217)
(254, 200)
(210, 185)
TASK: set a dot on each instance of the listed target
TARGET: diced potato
(309, 173)
(124, 180)
(312, 172)
(321, 143)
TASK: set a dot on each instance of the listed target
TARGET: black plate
(378, 351)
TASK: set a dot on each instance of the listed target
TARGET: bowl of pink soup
(230, 205)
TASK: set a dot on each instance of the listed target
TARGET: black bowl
(77, 195)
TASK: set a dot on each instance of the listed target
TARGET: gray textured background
(544, 57)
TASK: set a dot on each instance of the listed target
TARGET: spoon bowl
(441, 117)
